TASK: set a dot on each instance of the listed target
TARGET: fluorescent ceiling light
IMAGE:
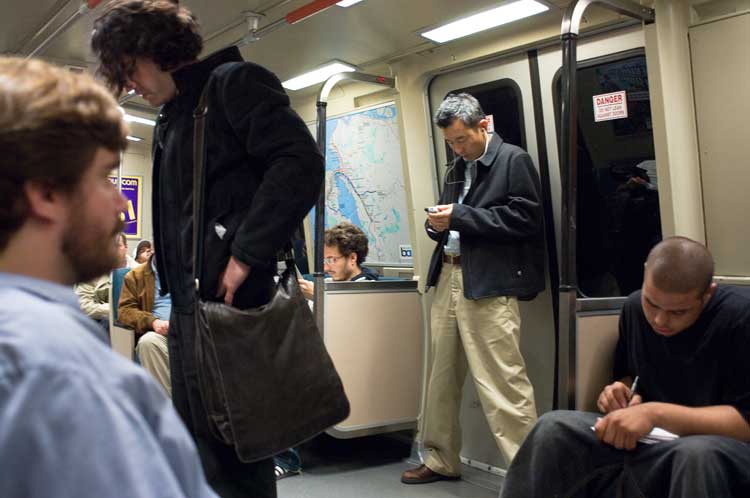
(137, 119)
(348, 3)
(134, 139)
(317, 75)
(485, 20)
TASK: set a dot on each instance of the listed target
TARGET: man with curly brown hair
(263, 174)
(345, 249)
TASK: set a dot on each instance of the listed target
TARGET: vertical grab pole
(568, 175)
(318, 276)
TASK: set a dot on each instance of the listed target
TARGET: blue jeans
(288, 460)
(562, 458)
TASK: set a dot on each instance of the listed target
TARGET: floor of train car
(370, 467)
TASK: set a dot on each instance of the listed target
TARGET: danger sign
(609, 106)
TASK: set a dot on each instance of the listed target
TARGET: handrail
(322, 103)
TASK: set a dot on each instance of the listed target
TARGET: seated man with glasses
(345, 250)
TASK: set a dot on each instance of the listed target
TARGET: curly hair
(159, 30)
(51, 124)
(349, 239)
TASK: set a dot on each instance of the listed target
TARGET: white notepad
(657, 435)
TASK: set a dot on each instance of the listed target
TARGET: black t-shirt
(706, 364)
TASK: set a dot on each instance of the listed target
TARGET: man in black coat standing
(263, 173)
(488, 226)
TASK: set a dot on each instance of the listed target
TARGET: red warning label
(609, 106)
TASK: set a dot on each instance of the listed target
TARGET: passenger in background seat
(93, 296)
(143, 251)
(143, 308)
(346, 248)
(488, 228)
(687, 342)
(76, 419)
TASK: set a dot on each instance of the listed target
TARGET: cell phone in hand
(431, 209)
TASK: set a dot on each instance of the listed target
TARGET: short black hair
(680, 265)
(461, 106)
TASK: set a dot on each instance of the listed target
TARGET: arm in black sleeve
(737, 369)
(277, 140)
(518, 215)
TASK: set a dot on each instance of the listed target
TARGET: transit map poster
(132, 188)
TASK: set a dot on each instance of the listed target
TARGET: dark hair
(349, 239)
(52, 122)
(142, 246)
(680, 265)
(461, 106)
(159, 30)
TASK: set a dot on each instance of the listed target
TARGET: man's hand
(441, 220)
(615, 396)
(160, 326)
(231, 278)
(623, 428)
(307, 288)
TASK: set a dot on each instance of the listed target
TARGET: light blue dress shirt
(162, 304)
(76, 419)
(453, 246)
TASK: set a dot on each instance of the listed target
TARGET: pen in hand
(633, 387)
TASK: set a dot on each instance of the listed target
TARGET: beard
(90, 252)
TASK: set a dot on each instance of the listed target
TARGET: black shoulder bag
(266, 379)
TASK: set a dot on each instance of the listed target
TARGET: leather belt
(453, 260)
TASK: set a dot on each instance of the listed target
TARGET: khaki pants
(483, 335)
(154, 355)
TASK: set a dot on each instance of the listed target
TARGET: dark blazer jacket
(500, 222)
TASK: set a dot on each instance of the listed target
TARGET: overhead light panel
(134, 138)
(486, 20)
(348, 3)
(317, 75)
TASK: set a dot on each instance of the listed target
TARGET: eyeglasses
(331, 259)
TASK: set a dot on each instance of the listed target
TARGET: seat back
(118, 276)
(122, 338)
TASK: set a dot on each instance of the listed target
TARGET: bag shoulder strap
(199, 179)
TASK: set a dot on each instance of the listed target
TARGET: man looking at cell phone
(688, 343)
(488, 228)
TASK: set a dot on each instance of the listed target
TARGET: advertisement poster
(132, 191)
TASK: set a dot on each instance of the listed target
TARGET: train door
(504, 90)
(618, 197)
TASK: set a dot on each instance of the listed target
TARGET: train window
(500, 99)
(618, 196)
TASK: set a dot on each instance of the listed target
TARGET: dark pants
(562, 458)
(228, 476)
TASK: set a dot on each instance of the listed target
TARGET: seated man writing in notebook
(688, 343)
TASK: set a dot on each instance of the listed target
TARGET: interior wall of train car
(722, 47)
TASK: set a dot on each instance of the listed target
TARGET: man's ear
(45, 201)
(353, 257)
(484, 123)
(709, 293)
